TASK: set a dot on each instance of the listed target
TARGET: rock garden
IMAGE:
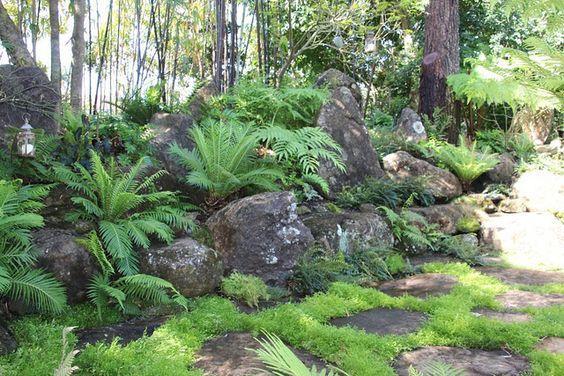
(262, 227)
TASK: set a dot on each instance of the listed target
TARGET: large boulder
(527, 239)
(446, 217)
(410, 127)
(261, 235)
(191, 267)
(8, 343)
(441, 183)
(69, 262)
(26, 91)
(541, 190)
(349, 229)
(342, 118)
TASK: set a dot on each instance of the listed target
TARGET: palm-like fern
(405, 227)
(18, 207)
(281, 361)
(467, 162)
(125, 208)
(224, 159)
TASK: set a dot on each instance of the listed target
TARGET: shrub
(383, 192)
(522, 147)
(492, 139)
(224, 160)
(248, 288)
(380, 120)
(140, 109)
(18, 279)
(466, 161)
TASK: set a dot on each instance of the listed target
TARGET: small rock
(471, 361)
(553, 345)
(421, 285)
(502, 173)
(69, 262)
(261, 235)
(441, 183)
(383, 321)
(410, 127)
(349, 229)
(191, 267)
(470, 239)
(524, 299)
(513, 205)
(554, 147)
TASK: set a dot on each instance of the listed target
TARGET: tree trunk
(441, 58)
(13, 42)
(55, 45)
(78, 48)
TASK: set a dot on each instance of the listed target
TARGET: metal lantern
(26, 140)
(370, 43)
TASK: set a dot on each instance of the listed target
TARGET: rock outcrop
(410, 127)
(261, 235)
(445, 216)
(541, 190)
(441, 183)
(191, 267)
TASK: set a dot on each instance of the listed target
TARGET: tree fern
(18, 280)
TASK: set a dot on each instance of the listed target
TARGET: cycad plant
(18, 280)
(225, 160)
(127, 211)
(467, 162)
(281, 361)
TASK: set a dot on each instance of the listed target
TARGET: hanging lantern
(26, 140)
(370, 43)
(338, 40)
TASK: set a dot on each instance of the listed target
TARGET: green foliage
(465, 161)
(247, 288)
(436, 368)
(380, 120)
(140, 109)
(468, 224)
(265, 106)
(533, 78)
(280, 360)
(65, 367)
(456, 246)
(492, 139)
(224, 159)
(406, 228)
(383, 192)
(437, 127)
(522, 146)
(125, 208)
(18, 280)
(387, 142)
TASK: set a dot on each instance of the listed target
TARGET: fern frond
(37, 288)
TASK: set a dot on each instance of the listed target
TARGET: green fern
(18, 280)
(406, 227)
(224, 159)
(125, 208)
(65, 367)
(281, 361)
(467, 162)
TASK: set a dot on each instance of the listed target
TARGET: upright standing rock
(261, 235)
(410, 126)
(341, 117)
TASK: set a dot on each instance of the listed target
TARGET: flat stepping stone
(383, 321)
(421, 285)
(472, 362)
(517, 299)
(554, 345)
(125, 331)
(509, 317)
(522, 276)
(227, 355)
